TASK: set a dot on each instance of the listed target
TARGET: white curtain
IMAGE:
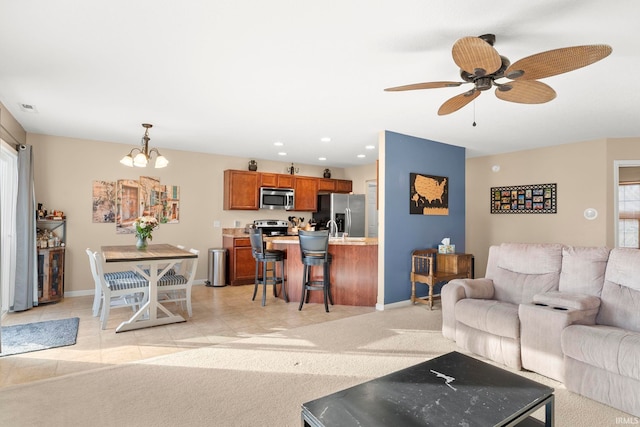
(8, 197)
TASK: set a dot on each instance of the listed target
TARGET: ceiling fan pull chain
(474, 113)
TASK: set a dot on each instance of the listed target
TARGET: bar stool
(269, 260)
(314, 251)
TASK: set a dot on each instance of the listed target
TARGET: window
(629, 215)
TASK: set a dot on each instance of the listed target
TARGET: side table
(429, 267)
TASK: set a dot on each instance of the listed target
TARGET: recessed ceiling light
(325, 139)
(370, 147)
(28, 108)
(278, 144)
(282, 153)
(322, 158)
(361, 156)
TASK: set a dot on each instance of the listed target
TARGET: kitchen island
(354, 270)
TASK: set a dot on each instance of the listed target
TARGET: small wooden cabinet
(241, 190)
(50, 274)
(52, 237)
(430, 268)
(241, 263)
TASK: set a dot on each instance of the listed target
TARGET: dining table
(152, 263)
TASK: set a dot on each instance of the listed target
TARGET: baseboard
(89, 292)
(382, 307)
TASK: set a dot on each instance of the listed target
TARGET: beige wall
(584, 175)
(65, 169)
(10, 129)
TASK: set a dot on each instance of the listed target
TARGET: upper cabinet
(276, 180)
(344, 186)
(242, 188)
(306, 193)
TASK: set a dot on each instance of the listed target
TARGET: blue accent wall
(403, 232)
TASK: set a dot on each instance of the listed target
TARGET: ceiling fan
(482, 65)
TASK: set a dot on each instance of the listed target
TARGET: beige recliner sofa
(553, 309)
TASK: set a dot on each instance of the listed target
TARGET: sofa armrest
(456, 290)
(568, 300)
(476, 288)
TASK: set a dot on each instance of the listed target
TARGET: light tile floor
(219, 314)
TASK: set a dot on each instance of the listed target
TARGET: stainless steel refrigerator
(347, 210)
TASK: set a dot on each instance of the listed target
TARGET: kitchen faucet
(330, 224)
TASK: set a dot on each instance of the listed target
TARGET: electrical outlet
(236, 223)
(216, 224)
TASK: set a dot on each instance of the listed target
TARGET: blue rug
(36, 336)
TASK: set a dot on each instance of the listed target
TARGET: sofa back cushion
(583, 269)
(620, 298)
(523, 270)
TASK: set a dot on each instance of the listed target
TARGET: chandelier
(143, 155)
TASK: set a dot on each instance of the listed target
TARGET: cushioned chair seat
(172, 279)
(121, 280)
(495, 317)
(606, 347)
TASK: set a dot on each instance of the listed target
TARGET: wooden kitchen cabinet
(241, 189)
(344, 186)
(327, 185)
(50, 274)
(275, 180)
(241, 263)
(306, 193)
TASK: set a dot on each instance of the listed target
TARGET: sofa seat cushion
(613, 349)
(495, 317)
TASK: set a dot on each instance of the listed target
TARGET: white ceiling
(232, 77)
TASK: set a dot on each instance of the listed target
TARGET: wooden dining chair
(117, 289)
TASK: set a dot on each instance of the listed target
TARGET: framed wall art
(429, 194)
(524, 199)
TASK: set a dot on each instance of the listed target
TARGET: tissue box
(446, 249)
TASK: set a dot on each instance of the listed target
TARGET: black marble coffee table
(450, 390)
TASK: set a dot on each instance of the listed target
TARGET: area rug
(17, 339)
(260, 380)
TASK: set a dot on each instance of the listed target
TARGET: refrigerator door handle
(348, 227)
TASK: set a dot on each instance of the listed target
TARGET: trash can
(217, 272)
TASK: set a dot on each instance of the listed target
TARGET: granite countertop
(354, 241)
(234, 232)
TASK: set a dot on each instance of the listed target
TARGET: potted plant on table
(144, 225)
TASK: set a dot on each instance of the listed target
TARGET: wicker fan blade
(428, 85)
(476, 56)
(458, 101)
(526, 92)
(557, 61)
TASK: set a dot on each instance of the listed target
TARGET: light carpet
(261, 380)
(17, 339)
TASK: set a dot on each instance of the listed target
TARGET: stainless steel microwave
(276, 198)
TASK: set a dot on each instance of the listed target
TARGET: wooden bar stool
(314, 251)
(268, 260)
